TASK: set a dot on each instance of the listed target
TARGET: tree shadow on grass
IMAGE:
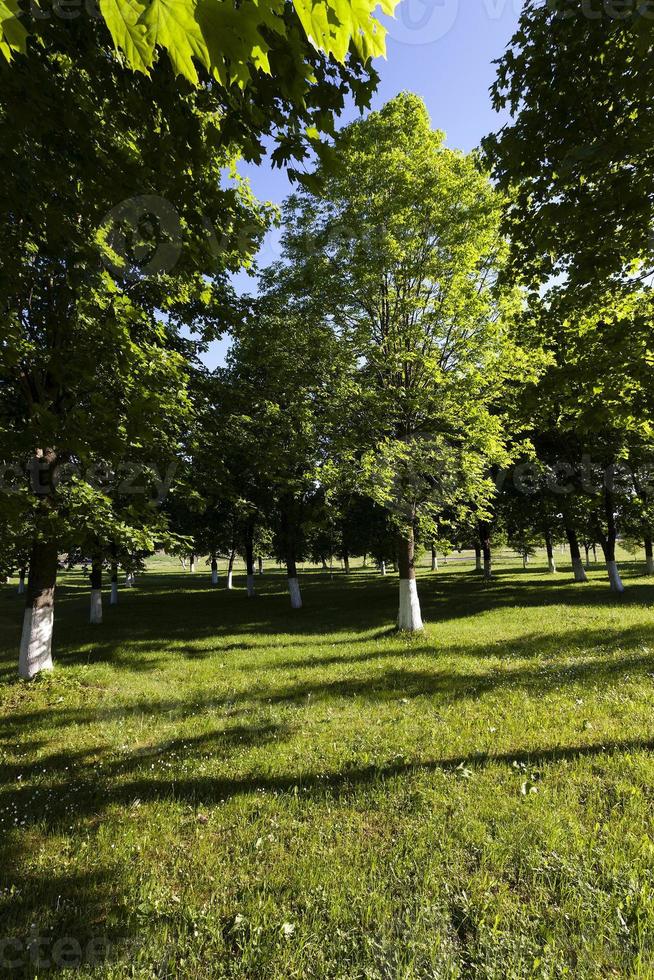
(532, 664)
(137, 633)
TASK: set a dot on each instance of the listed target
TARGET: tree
(577, 154)
(401, 249)
(592, 412)
(285, 367)
(93, 372)
(277, 68)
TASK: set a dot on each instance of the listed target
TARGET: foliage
(577, 153)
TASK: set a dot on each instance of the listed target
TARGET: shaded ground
(216, 787)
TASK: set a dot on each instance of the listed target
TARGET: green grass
(221, 788)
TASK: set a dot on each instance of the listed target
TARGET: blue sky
(441, 49)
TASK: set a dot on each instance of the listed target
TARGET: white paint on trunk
(21, 584)
(36, 641)
(478, 562)
(295, 594)
(551, 565)
(250, 586)
(614, 576)
(409, 618)
(192, 566)
(214, 577)
(114, 594)
(434, 563)
(488, 569)
(96, 606)
(129, 580)
(382, 568)
(650, 565)
(579, 570)
(230, 580)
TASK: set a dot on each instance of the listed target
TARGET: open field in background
(221, 788)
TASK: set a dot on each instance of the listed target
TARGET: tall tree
(577, 153)
(92, 301)
(402, 249)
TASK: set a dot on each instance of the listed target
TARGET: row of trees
(402, 379)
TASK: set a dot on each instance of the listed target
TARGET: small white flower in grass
(288, 929)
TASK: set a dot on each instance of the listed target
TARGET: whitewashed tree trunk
(551, 564)
(614, 577)
(409, 617)
(192, 565)
(575, 555)
(114, 594)
(35, 655)
(96, 590)
(382, 567)
(129, 581)
(488, 568)
(214, 576)
(434, 560)
(260, 565)
(250, 587)
(478, 564)
(295, 593)
(230, 569)
(36, 641)
(96, 606)
(21, 582)
(649, 553)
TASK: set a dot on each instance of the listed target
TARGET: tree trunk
(289, 535)
(249, 561)
(382, 567)
(649, 553)
(192, 565)
(260, 565)
(434, 559)
(346, 562)
(96, 590)
(214, 570)
(114, 585)
(230, 569)
(478, 567)
(38, 622)
(575, 555)
(549, 547)
(485, 541)
(607, 542)
(21, 582)
(409, 619)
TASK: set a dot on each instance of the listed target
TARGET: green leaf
(173, 25)
(128, 33)
(13, 36)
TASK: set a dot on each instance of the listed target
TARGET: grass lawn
(218, 787)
